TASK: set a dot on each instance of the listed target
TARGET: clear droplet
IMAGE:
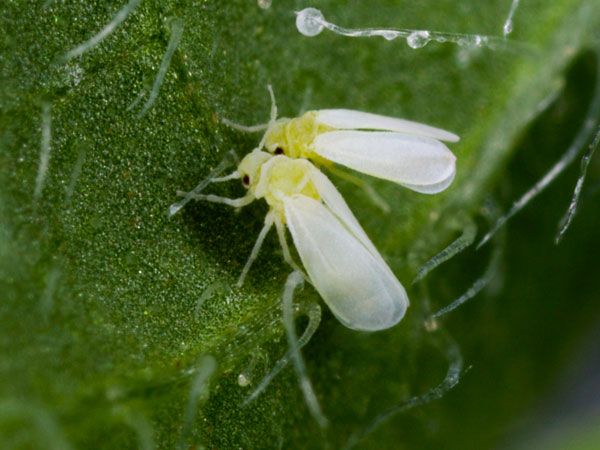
(264, 4)
(508, 27)
(389, 35)
(418, 39)
(309, 21)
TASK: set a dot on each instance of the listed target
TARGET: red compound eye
(246, 180)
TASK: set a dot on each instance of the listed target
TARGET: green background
(101, 330)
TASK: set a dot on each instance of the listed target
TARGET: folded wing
(420, 163)
(348, 119)
(356, 284)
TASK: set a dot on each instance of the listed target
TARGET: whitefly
(408, 153)
(337, 256)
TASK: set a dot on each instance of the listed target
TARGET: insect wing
(348, 119)
(419, 163)
(337, 205)
(432, 188)
(357, 286)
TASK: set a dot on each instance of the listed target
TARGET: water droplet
(309, 21)
(264, 4)
(508, 27)
(389, 35)
(418, 39)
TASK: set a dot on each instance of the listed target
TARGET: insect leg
(234, 202)
(259, 241)
(287, 256)
(375, 198)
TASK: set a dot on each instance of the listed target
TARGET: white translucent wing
(358, 287)
(348, 119)
(336, 203)
(419, 163)
(432, 188)
(338, 206)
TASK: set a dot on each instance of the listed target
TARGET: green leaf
(104, 321)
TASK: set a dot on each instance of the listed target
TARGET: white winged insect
(340, 260)
(404, 152)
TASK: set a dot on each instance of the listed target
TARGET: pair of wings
(341, 261)
(401, 151)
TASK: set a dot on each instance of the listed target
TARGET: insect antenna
(260, 126)
(245, 128)
(227, 161)
(272, 118)
(232, 176)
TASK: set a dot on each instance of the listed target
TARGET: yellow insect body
(295, 137)
(276, 177)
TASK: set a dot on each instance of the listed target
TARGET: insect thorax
(283, 177)
(295, 136)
